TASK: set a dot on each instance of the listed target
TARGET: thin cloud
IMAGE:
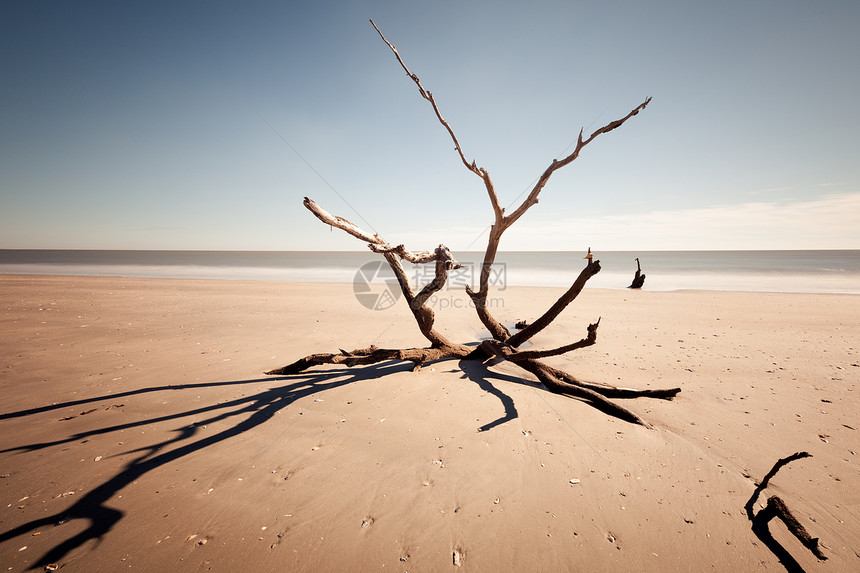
(831, 222)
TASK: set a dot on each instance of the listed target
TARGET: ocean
(833, 271)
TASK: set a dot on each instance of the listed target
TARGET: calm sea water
(766, 271)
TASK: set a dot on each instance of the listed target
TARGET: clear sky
(201, 125)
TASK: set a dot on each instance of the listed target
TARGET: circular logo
(375, 286)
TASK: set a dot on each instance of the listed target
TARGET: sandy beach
(138, 432)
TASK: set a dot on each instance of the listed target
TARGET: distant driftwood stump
(639, 277)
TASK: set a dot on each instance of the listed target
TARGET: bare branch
(444, 262)
(614, 391)
(532, 198)
(548, 378)
(440, 253)
(590, 340)
(424, 316)
(473, 167)
(591, 269)
(778, 466)
(777, 508)
(341, 223)
(372, 355)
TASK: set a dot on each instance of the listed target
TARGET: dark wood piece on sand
(639, 277)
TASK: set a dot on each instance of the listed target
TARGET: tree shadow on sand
(481, 375)
(248, 412)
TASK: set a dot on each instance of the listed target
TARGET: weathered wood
(776, 508)
(638, 278)
(373, 355)
(780, 463)
(591, 269)
(504, 345)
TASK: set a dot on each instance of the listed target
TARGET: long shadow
(257, 408)
(60, 405)
(480, 374)
(144, 422)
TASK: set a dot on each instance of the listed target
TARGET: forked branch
(589, 271)
(473, 167)
(424, 316)
(503, 345)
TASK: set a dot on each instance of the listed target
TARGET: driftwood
(503, 345)
(639, 277)
(776, 507)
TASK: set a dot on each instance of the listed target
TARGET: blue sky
(172, 125)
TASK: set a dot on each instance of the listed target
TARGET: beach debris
(51, 567)
(497, 501)
(458, 557)
(366, 522)
(638, 277)
(776, 507)
(574, 481)
(98, 459)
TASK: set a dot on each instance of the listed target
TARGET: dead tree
(638, 278)
(503, 344)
